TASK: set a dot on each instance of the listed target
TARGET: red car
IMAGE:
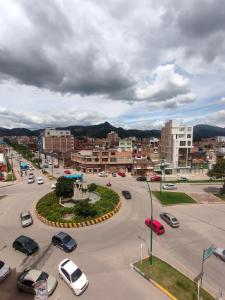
(156, 226)
(67, 171)
(122, 174)
(155, 178)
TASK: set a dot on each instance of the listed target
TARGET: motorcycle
(108, 184)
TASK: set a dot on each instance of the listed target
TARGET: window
(189, 143)
(182, 129)
(113, 159)
(189, 128)
(113, 153)
(28, 283)
(105, 159)
(96, 159)
(182, 143)
(189, 136)
(66, 274)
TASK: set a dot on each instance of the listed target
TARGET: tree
(218, 169)
(85, 209)
(64, 187)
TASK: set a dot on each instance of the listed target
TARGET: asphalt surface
(106, 250)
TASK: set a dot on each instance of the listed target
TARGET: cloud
(166, 86)
(12, 119)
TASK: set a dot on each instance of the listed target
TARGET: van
(156, 226)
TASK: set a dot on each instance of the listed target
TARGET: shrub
(92, 187)
(64, 187)
(85, 209)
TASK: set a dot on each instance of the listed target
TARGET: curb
(154, 283)
(80, 224)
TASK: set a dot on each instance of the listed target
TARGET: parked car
(56, 166)
(103, 174)
(155, 178)
(156, 226)
(126, 194)
(26, 219)
(5, 270)
(169, 186)
(64, 241)
(31, 175)
(29, 277)
(67, 172)
(220, 252)
(141, 178)
(183, 178)
(114, 175)
(170, 219)
(73, 276)
(31, 168)
(25, 244)
(122, 174)
(40, 180)
(50, 163)
(30, 180)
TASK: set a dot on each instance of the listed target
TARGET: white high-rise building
(176, 145)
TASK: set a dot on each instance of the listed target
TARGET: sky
(134, 64)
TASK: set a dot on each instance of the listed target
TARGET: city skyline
(133, 65)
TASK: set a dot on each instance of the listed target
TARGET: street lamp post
(150, 242)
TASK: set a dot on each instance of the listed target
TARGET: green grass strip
(172, 280)
(167, 198)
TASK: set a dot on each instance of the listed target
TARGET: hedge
(49, 207)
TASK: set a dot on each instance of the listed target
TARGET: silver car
(170, 219)
(26, 219)
(4, 270)
(29, 278)
(169, 186)
(220, 252)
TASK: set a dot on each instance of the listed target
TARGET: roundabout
(52, 212)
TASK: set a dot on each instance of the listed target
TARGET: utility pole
(150, 242)
(161, 168)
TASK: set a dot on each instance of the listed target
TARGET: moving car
(30, 180)
(155, 178)
(141, 178)
(103, 174)
(126, 194)
(156, 226)
(122, 174)
(73, 276)
(25, 244)
(67, 172)
(53, 186)
(169, 186)
(4, 270)
(40, 180)
(28, 278)
(26, 219)
(170, 219)
(64, 241)
(183, 178)
(220, 252)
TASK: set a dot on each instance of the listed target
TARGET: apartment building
(97, 160)
(59, 141)
(176, 146)
(125, 145)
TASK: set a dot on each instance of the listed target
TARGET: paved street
(106, 250)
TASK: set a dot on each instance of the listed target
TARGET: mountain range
(101, 131)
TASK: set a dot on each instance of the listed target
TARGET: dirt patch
(205, 198)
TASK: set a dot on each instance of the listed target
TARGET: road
(106, 250)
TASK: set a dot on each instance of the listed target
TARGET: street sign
(208, 252)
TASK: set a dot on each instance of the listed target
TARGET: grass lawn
(10, 177)
(167, 198)
(220, 196)
(173, 281)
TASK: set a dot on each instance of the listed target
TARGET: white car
(53, 186)
(103, 174)
(40, 180)
(26, 219)
(31, 168)
(220, 252)
(169, 186)
(4, 270)
(73, 276)
(30, 180)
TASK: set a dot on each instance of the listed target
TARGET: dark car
(141, 178)
(126, 194)
(25, 244)
(64, 241)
